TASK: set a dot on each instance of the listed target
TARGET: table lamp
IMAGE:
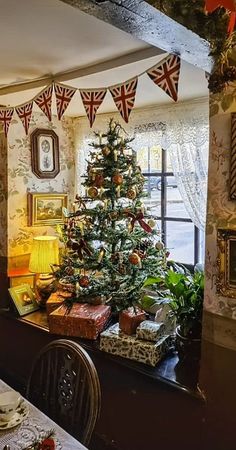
(43, 255)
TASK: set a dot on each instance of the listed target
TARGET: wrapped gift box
(114, 341)
(81, 320)
(54, 301)
(130, 318)
(150, 331)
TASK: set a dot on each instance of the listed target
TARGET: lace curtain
(181, 129)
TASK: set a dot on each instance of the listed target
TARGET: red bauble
(99, 180)
(84, 281)
(134, 259)
(117, 178)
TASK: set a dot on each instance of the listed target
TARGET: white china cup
(9, 402)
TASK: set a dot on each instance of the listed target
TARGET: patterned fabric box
(150, 331)
(81, 320)
(114, 341)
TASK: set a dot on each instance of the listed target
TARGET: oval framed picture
(45, 153)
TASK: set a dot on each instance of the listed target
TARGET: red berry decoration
(84, 281)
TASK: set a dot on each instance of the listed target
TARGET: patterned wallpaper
(221, 212)
(3, 195)
(21, 180)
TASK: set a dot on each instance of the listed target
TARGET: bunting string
(165, 74)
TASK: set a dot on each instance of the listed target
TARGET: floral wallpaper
(21, 180)
(3, 195)
(221, 212)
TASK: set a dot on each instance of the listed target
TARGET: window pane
(149, 159)
(175, 206)
(152, 200)
(180, 241)
(168, 162)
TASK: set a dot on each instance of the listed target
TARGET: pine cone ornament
(69, 270)
(145, 244)
(99, 180)
(131, 193)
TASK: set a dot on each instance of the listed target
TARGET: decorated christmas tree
(111, 243)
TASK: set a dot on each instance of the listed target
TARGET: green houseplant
(186, 292)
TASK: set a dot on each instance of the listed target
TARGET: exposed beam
(145, 22)
(83, 71)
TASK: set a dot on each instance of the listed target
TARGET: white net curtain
(182, 130)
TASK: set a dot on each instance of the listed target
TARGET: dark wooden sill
(170, 371)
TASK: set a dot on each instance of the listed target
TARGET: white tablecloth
(35, 427)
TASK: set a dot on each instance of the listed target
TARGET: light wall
(21, 180)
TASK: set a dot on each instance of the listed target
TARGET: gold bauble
(93, 192)
(152, 223)
(131, 193)
(159, 245)
(106, 151)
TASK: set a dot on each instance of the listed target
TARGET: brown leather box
(81, 320)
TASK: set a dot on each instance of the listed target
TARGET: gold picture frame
(23, 299)
(226, 262)
(46, 208)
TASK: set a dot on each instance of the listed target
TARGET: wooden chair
(64, 385)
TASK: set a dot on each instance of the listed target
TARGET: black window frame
(163, 218)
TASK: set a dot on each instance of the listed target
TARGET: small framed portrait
(226, 262)
(23, 299)
(46, 209)
(45, 153)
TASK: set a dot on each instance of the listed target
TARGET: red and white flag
(5, 117)
(63, 95)
(25, 112)
(166, 75)
(44, 101)
(124, 97)
(92, 99)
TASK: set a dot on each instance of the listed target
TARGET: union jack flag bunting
(63, 95)
(24, 112)
(124, 97)
(92, 99)
(5, 117)
(44, 101)
(166, 75)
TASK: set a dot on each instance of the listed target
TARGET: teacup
(9, 402)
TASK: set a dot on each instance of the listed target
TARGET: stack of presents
(133, 337)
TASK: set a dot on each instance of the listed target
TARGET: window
(164, 201)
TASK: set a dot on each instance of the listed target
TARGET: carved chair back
(64, 385)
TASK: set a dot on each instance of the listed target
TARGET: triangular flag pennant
(166, 75)
(124, 97)
(92, 99)
(44, 101)
(24, 112)
(5, 117)
(63, 95)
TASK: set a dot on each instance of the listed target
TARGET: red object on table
(81, 320)
(48, 444)
(130, 318)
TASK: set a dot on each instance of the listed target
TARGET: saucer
(20, 414)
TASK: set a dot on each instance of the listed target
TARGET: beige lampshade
(44, 253)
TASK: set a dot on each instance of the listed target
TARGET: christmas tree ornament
(84, 281)
(117, 178)
(159, 245)
(99, 180)
(106, 151)
(135, 259)
(69, 270)
(118, 191)
(101, 255)
(92, 192)
(92, 173)
(115, 154)
(152, 223)
(131, 193)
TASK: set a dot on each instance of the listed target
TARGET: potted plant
(186, 292)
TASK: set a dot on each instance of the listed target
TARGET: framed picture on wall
(226, 277)
(44, 153)
(24, 299)
(46, 208)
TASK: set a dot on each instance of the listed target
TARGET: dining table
(35, 427)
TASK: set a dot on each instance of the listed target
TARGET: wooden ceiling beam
(120, 61)
(147, 23)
